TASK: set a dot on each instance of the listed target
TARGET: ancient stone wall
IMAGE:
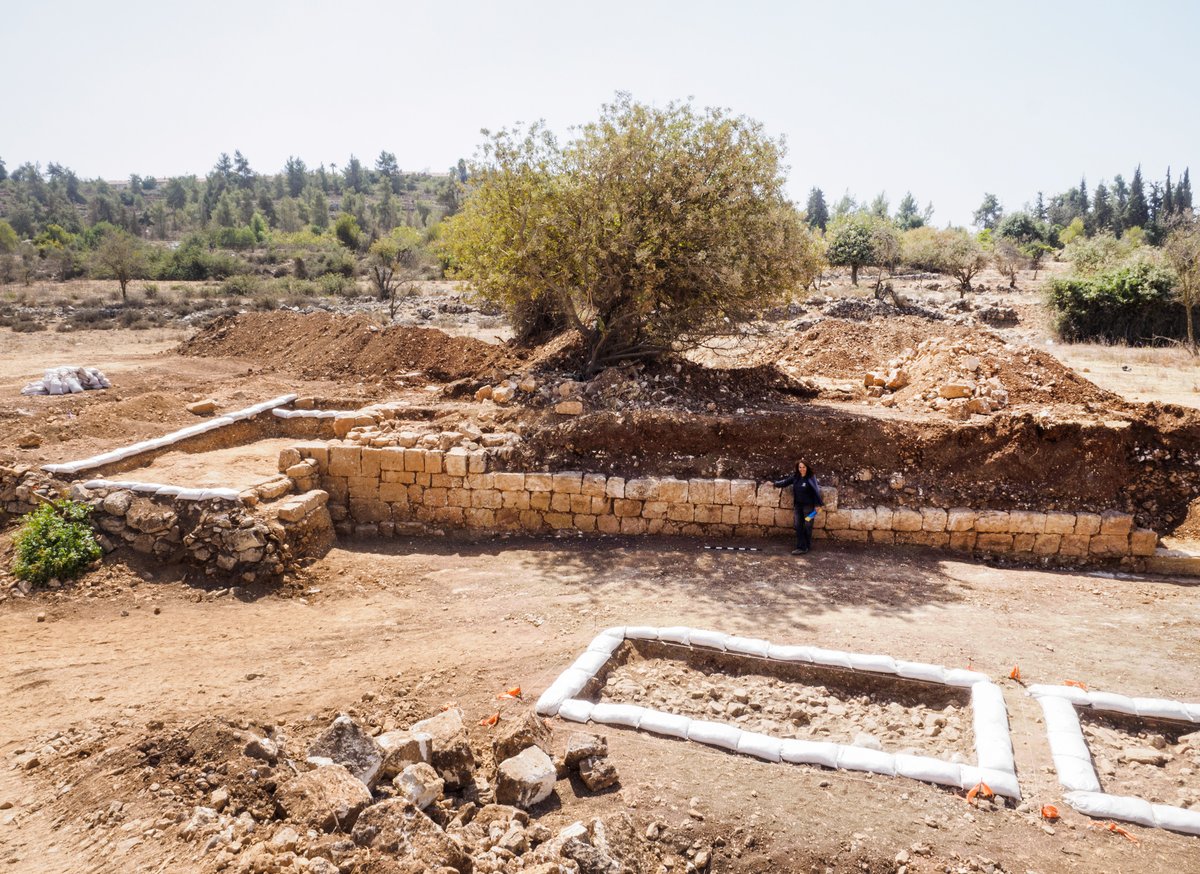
(387, 490)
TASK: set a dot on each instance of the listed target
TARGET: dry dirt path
(458, 620)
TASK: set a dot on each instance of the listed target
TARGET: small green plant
(55, 541)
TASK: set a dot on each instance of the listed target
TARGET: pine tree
(1039, 211)
(1183, 193)
(818, 212)
(1102, 210)
(1082, 202)
(1137, 214)
(908, 214)
(1168, 197)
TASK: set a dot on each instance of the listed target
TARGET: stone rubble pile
(1149, 761)
(948, 376)
(415, 799)
(67, 380)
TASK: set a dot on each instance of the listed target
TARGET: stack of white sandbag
(67, 380)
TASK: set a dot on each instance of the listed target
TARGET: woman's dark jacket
(805, 491)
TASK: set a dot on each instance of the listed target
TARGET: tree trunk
(854, 274)
(123, 283)
(1191, 332)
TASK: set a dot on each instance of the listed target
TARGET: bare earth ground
(237, 467)
(426, 622)
(457, 620)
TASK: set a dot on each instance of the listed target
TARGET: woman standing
(806, 497)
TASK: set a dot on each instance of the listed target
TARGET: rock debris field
(1159, 763)
(813, 704)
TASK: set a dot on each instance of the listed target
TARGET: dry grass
(1140, 373)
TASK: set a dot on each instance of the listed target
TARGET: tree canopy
(652, 229)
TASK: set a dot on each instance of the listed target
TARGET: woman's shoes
(799, 551)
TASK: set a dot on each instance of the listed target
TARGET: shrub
(55, 541)
(1132, 303)
(242, 284)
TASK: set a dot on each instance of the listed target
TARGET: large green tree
(816, 211)
(654, 228)
(120, 256)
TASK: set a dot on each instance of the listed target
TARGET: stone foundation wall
(388, 490)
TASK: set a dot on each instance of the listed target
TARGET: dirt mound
(325, 345)
(929, 354)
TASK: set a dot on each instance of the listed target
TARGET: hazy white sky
(948, 99)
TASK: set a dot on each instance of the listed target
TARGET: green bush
(1133, 303)
(55, 541)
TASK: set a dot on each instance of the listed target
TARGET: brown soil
(325, 346)
(237, 467)
(398, 630)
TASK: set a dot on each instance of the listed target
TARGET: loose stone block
(964, 540)
(568, 482)
(906, 519)
(933, 519)
(456, 462)
(640, 489)
(614, 487)
(508, 482)
(960, 519)
(1087, 523)
(1026, 522)
(318, 452)
(743, 492)
(1023, 542)
(654, 510)
(1143, 542)
(345, 460)
(862, 519)
(539, 482)
(992, 522)
(1115, 524)
(993, 542)
(1060, 523)
(1108, 546)
(288, 458)
(1046, 544)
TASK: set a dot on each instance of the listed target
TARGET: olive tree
(120, 256)
(651, 230)
(394, 261)
(1009, 259)
(960, 255)
(1182, 248)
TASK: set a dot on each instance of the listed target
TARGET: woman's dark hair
(807, 467)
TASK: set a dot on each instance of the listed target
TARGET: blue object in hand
(811, 516)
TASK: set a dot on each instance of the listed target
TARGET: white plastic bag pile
(67, 381)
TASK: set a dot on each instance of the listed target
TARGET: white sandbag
(73, 385)
(964, 678)
(833, 658)
(628, 715)
(879, 664)
(576, 710)
(190, 494)
(641, 632)
(1193, 712)
(606, 643)
(285, 414)
(1060, 714)
(716, 734)
(1076, 774)
(221, 495)
(752, 646)
(789, 653)
(1177, 819)
(1069, 743)
(615, 631)
(1113, 703)
(1103, 806)
(761, 746)
(168, 492)
(37, 387)
(1161, 708)
(669, 724)
(853, 758)
(674, 634)
(809, 752)
(993, 746)
(921, 671)
(568, 684)
(591, 662)
(928, 770)
(708, 639)
(1071, 693)
(1001, 782)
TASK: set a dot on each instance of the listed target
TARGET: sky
(946, 99)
